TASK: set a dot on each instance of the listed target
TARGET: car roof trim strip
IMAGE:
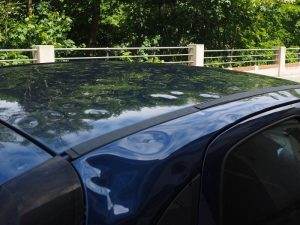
(29, 137)
(105, 139)
(243, 95)
(102, 140)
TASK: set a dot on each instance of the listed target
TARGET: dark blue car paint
(131, 180)
(64, 104)
(220, 147)
(17, 155)
(134, 179)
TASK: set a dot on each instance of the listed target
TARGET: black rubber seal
(46, 195)
(29, 137)
(94, 143)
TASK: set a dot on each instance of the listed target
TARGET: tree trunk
(95, 23)
(29, 7)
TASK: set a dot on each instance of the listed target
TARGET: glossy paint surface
(17, 155)
(132, 180)
(64, 104)
(210, 207)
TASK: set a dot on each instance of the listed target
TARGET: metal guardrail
(157, 54)
(18, 50)
(292, 55)
(239, 57)
(17, 56)
(190, 55)
(121, 48)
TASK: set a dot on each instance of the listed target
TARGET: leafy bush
(44, 26)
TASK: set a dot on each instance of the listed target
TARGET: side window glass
(17, 154)
(261, 178)
(184, 208)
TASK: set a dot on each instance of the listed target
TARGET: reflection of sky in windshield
(17, 155)
(9, 109)
(104, 126)
(12, 112)
(64, 104)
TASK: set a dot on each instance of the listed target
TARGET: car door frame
(217, 151)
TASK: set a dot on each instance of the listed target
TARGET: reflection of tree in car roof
(83, 96)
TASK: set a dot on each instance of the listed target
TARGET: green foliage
(273, 24)
(215, 23)
(45, 26)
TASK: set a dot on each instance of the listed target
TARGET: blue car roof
(63, 105)
(141, 173)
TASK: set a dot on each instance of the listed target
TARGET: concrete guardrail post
(280, 60)
(44, 53)
(196, 52)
